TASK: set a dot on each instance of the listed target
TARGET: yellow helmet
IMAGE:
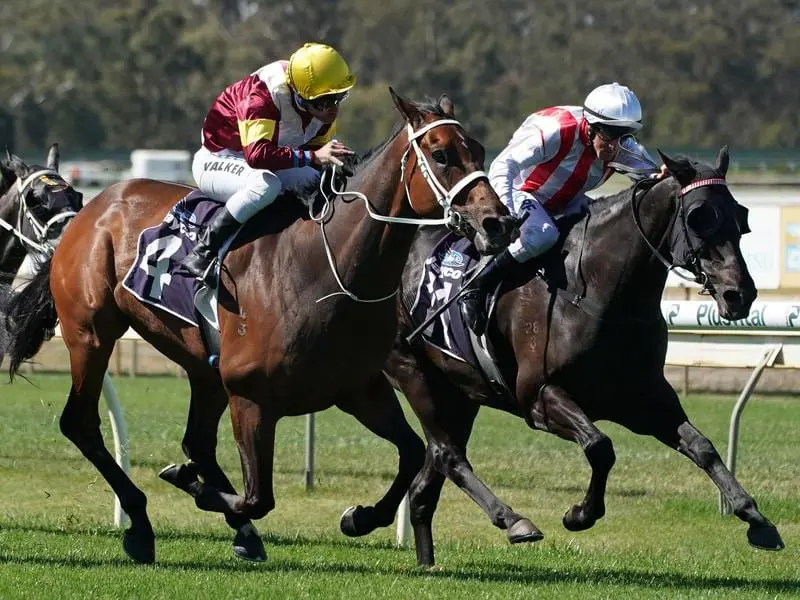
(317, 70)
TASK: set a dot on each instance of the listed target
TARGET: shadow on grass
(496, 571)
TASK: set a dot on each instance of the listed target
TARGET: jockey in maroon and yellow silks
(259, 117)
(269, 131)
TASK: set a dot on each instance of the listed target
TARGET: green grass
(661, 537)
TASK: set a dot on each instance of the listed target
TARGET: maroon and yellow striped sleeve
(258, 121)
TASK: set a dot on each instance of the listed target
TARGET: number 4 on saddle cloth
(156, 279)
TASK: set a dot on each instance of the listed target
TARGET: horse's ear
(52, 157)
(15, 164)
(447, 106)
(6, 176)
(723, 160)
(680, 170)
(408, 109)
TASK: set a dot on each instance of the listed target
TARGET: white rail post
(403, 522)
(309, 472)
(767, 360)
(120, 434)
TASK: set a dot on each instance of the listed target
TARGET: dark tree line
(104, 74)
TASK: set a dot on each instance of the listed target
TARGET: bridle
(443, 196)
(693, 263)
(40, 227)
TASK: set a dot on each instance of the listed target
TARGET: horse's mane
(605, 203)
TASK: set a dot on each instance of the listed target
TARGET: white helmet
(615, 105)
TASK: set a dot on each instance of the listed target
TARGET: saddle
(155, 277)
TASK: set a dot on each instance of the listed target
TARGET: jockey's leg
(537, 234)
(209, 243)
(244, 190)
(473, 301)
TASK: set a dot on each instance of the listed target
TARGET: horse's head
(706, 234)
(443, 171)
(45, 201)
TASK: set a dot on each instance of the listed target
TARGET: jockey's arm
(258, 120)
(325, 135)
(526, 149)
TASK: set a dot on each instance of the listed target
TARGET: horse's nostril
(732, 297)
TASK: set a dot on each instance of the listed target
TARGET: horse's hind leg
(80, 423)
(559, 414)
(666, 420)
(206, 406)
(423, 499)
(378, 409)
(254, 432)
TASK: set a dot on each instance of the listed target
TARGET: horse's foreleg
(378, 409)
(206, 407)
(761, 533)
(666, 421)
(559, 414)
(80, 423)
(448, 414)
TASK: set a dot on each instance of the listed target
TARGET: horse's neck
(618, 266)
(371, 254)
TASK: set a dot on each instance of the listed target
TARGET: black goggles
(611, 132)
(326, 102)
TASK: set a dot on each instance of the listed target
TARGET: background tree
(108, 74)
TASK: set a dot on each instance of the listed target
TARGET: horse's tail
(28, 318)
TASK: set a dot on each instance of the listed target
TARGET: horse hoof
(524, 531)
(355, 521)
(765, 537)
(577, 518)
(140, 545)
(180, 476)
(249, 547)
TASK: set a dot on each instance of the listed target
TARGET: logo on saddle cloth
(154, 277)
(443, 273)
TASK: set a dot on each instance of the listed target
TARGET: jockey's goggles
(326, 102)
(608, 133)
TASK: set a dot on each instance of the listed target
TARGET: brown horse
(282, 353)
(587, 342)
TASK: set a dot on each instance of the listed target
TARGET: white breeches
(538, 233)
(225, 176)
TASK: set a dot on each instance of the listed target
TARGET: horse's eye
(440, 156)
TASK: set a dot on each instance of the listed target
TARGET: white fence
(699, 337)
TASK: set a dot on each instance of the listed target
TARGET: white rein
(443, 197)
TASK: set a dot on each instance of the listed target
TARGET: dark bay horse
(282, 352)
(585, 344)
(35, 206)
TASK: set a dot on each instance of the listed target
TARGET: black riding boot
(473, 301)
(208, 244)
